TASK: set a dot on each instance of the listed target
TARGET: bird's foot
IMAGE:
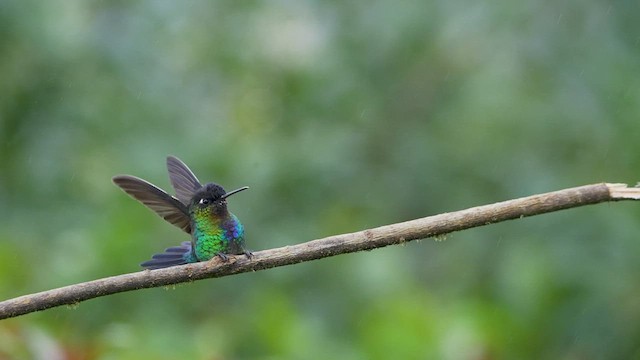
(223, 256)
(248, 254)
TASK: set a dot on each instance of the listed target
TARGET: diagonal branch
(330, 246)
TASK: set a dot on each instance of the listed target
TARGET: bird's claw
(223, 257)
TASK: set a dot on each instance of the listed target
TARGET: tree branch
(330, 246)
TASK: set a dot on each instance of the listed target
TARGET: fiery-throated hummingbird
(200, 210)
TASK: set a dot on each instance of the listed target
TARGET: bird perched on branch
(200, 210)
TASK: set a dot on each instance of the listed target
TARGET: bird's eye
(204, 202)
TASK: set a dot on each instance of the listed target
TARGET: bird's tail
(176, 255)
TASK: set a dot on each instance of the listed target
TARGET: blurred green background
(340, 116)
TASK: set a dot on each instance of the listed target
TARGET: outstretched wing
(184, 182)
(163, 204)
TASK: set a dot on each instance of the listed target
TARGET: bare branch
(330, 246)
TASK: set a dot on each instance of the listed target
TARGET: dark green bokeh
(339, 116)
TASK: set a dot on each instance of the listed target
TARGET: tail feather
(176, 255)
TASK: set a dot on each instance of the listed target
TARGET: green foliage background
(339, 116)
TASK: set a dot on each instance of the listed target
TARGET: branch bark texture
(330, 246)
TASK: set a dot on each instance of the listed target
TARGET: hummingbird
(199, 210)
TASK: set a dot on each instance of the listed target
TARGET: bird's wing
(163, 204)
(184, 182)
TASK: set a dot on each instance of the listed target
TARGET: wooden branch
(330, 246)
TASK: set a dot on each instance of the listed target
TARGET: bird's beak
(233, 192)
